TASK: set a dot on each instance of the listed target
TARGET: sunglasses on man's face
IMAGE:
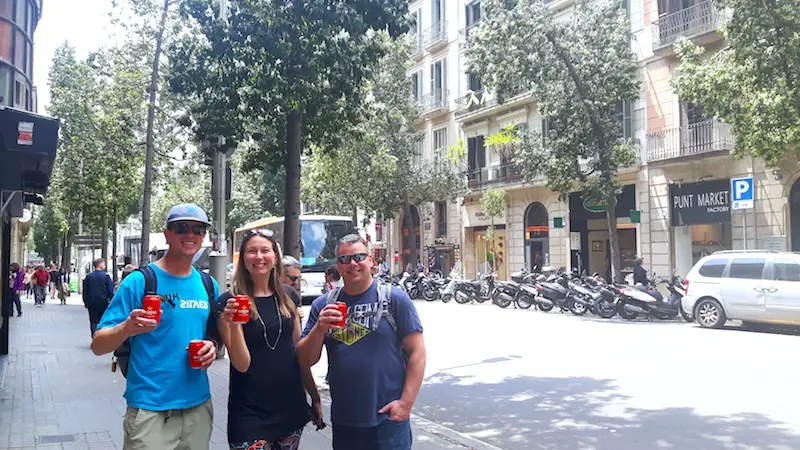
(182, 228)
(358, 257)
(293, 279)
(263, 232)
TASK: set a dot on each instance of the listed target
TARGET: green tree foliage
(100, 103)
(49, 230)
(579, 69)
(281, 72)
(493, 204)
(753, 83)
(379, 170)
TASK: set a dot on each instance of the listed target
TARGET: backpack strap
(150, 280)
(212, 331)
(333, 295)
(208, 283)
(385, 310)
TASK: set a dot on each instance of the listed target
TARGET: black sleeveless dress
(268, 401)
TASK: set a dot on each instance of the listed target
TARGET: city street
(508, 379)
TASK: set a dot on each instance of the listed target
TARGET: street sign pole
(743, 197)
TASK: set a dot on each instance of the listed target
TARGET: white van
(751, 286)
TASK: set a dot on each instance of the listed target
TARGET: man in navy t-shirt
(169, 403)
(373, 388)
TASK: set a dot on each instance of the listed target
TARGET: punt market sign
(700, 203)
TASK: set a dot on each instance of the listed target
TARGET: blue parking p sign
(742, 193)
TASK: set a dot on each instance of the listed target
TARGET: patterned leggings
(289, 442)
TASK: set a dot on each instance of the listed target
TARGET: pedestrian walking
(63, 285)
(376, 354)
(53, 281)
(292, 278)
(267, 405)
(127, 270)
(97, 292)
(332, 279)
(28, 282)
(40, 281)
(169, 401)
(17, 284)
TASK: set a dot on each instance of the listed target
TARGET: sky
(83, 23)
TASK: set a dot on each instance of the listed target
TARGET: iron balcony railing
(701, 18)
(694, 139)
(436, 33)
(435, 100)
(487, 176)
(463, 34)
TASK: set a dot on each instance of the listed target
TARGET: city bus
(318, 237)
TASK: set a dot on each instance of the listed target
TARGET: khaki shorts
(179, 429)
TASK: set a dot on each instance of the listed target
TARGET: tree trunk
(104, 238)
(411, 239)
(613, 240)
(114, 246)
(66, 254)
(291, 210)
(144, 257)
(354, 214)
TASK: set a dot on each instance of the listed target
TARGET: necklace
(280, 327)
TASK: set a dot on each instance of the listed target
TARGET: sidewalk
(56, 394)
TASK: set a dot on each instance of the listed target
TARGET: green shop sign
(596, 206)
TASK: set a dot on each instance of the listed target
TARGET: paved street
(529, 380)
(56, 394)
(506, 379)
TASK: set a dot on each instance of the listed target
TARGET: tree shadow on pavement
(584, 413)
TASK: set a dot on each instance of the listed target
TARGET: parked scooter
(479, 291)
(647, 301)
(553, 291)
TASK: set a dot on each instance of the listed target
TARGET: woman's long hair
(243, 284)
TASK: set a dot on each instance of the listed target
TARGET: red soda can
(194, 349)
(342, 309)
(242, 314)
(152, 306)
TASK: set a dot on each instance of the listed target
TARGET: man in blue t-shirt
(169, 403)
(373, 387)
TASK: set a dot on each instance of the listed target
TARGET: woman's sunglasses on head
(263, 232)
(198, 229)
(358, 257)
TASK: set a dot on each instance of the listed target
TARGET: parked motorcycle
(647, 301)
(479, 291)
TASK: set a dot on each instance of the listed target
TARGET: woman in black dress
(267, 407)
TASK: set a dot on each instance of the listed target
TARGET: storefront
(588, 219)
(27, 149)
(537, 236)
(484, 253)
(701, 221)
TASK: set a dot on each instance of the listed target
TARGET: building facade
(27, 142)
(675, 205)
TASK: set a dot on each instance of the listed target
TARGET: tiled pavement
(56, 394)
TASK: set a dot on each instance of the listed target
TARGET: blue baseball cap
(189, 212)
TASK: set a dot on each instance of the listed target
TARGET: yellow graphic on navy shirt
(359, 323)
(350, 334)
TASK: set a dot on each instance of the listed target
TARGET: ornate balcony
(689, 140)
(702, 19)
(435, 36)
(492, 176)
(435, 103)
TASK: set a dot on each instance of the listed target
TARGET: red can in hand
(342, 309)
(242, 314)
(194, 358)
(152, 306)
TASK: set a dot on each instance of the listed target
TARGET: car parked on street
(753, 286)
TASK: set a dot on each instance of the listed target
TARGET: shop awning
(28, 145)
